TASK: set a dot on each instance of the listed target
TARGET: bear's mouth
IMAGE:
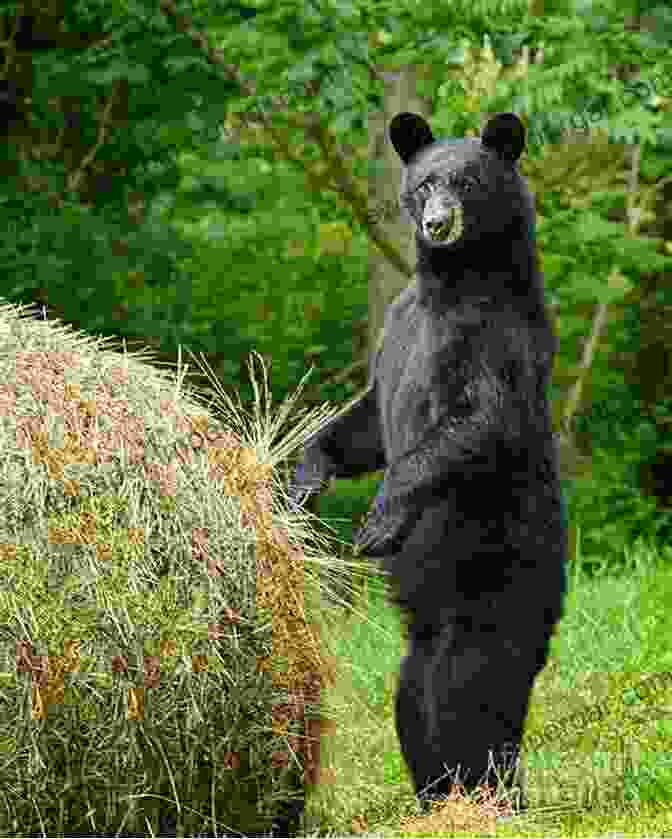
(442, 217)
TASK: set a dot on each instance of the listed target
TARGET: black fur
(469, 520)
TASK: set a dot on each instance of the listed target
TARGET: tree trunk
(385, 281)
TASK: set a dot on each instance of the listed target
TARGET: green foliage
(152, 201)
(607, 505)
(308, 314)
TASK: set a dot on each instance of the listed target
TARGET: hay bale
(160, 649)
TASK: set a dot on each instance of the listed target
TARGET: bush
(159, 607)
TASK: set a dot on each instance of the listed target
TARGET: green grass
(611, 775)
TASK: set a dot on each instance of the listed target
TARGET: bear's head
(458, 192)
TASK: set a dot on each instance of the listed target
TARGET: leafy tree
(166, 164)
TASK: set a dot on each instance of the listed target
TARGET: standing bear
(469, 520)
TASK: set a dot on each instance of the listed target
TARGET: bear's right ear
(409, 133)
(505, 135)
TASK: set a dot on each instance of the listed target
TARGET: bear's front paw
(375, 542)
(380, 534)
(310, 477)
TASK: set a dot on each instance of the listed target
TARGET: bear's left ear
(505, 135)
(409, 133)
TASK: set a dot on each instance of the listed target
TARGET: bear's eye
(464, 182)
(425, 189)
(453, 180)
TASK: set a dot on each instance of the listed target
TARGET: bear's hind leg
(480, 689)
(411, 718)
(461, 708)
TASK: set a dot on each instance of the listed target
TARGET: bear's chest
(404, 373)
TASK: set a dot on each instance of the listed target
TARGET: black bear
(469, 521)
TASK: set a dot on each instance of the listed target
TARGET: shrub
(162, 642)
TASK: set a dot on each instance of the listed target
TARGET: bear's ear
(409, 133)
(505, 135)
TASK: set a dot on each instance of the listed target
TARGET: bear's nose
(442, 219)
